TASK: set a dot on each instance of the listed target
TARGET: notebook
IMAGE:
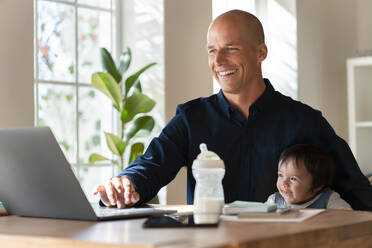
(282, 213)
(36, 180)
(237, 207)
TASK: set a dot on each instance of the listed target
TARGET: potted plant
(130, 103)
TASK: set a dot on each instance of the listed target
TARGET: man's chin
(229, 90)
(228, 86)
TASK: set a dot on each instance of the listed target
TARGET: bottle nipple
(203, 147)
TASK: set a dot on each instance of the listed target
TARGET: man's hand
(118, 191)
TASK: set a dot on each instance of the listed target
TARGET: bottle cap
(207, 159)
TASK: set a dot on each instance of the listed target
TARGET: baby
(304, 176)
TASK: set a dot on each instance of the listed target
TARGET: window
(143, 25)
(68, 37)
(279, 21)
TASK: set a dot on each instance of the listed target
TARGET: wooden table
(332, 228)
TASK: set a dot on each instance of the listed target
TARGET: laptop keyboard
(105, 212)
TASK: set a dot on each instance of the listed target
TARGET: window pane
(57, 110)
(95, 117)
(97, 3)
(94, 33)
(90, 176)
(56, 42)
(281, 40)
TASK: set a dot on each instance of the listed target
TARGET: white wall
(16, 63)
(364, 25)
(329, 32)
(186, 69)
(187, 74)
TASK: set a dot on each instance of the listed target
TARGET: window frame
(116, 45)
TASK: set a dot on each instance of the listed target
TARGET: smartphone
(173, 221)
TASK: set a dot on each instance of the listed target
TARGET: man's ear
(262, 52)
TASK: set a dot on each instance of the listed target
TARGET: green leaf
(71, 69)
(115, 144)
(98, 125)
(142, 126)
(136, 150)
(91, 94)
(65, 145)
(96, 140)
(136, 88)
(125, 59)
(135, 104)
(109, 65)
(133, 78)
(41, 122)
(85, 63)
(94, 157)
(68, 98)
(107, 85)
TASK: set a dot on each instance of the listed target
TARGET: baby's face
(294, 182)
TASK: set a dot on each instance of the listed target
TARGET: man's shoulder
(293, 106)
(198, 104)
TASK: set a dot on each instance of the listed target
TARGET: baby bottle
(208, 170)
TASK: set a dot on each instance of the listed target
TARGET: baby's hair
(317, 161)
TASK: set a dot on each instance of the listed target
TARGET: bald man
(248, 124)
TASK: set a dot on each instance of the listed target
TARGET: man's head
(236, 48)
(303, 171)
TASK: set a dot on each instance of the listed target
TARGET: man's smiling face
(233, 58)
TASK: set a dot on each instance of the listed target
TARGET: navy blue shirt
(249, 147)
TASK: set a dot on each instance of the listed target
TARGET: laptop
(37, 181)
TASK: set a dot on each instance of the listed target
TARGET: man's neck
(243, 100)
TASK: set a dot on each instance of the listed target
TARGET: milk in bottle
(208, 170)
